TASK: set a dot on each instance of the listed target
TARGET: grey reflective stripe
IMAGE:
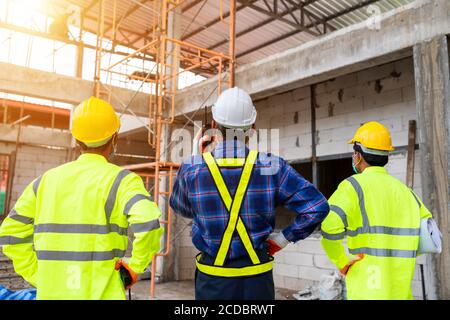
(133, 200)
(362, 206)
(79, 255)
(385, 230)
(415, 197)
(395, 231)
(120, 230)
(146, 226)
(5, 240)
(340, 213)
(373, 151)
(385, 252)
(15, 216)
(109, 205)
(36, 185)
(337, 236)
(79, 228)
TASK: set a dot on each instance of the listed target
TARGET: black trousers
(259, 287)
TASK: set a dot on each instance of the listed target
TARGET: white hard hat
(234, 109)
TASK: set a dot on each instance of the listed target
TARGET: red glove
(276, 241)
(129, 277)
(345, 269)
(273, 247)
(200, 142)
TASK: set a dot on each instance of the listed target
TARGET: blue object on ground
(25, 294)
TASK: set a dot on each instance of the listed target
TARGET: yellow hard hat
(94, 121)
(373, 135)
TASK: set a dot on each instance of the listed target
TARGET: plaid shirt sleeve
(299, 195)
(179, 200)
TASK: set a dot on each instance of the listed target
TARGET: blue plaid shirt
(273, 183)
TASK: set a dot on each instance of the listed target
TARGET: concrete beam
(347, 50)
(47, 85)
(35, 135)
(431, 68)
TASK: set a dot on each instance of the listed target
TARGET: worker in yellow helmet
(381, 218)
(68, 231)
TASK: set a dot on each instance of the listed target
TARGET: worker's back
(68, 230)
(80, 213)
(383, 222)
(72, 234)
(273, 183)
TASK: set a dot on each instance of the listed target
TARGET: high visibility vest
(381, 218)
(76, 217)
(235, 223)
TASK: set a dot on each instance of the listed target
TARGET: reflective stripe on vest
(36, 184)
(367, 228)
(79, 255)
(230, 162)
(20, 218)
(7, 240)
(72, 228)
(234, 272)
(235, 223)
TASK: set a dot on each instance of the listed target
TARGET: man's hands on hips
(276, 242)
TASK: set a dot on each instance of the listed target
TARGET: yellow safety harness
(235, 223)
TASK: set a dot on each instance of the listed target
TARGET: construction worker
(381, 218)
(67, 233)
(231, 194)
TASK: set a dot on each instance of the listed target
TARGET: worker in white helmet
(232, 197)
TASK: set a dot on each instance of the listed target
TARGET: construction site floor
(183, 290)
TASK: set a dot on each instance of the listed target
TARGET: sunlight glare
(23, 12)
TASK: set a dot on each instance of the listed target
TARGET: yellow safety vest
(76, 217)
(381, 218)
(235, 223)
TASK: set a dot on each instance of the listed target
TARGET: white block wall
(344, 104)
(185, 249)
(31, 163)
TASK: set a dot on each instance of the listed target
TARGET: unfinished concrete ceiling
(263, 27)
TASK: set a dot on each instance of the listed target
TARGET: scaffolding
(171, 57)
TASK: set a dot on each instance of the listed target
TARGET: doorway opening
(330, 173)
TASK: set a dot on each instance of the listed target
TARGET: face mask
(354, 166)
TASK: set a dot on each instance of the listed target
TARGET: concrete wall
(343, 104)
(31, 162)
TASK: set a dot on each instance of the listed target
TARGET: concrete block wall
(385, 94)
(31, 163)
(290, 113)
(185, 249)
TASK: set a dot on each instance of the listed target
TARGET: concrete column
(431, 67)
(174, 30)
